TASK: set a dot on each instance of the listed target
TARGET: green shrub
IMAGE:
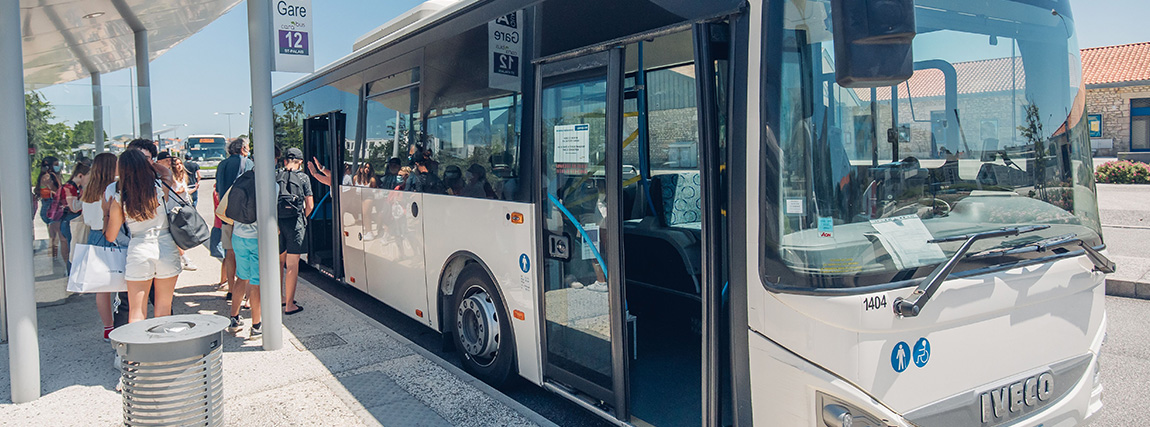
(1123, 172)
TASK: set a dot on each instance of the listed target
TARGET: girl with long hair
(47, 183)
(153, 257)
(365, 177)
(95, 198)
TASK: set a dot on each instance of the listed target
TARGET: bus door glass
(392, 235)
(583, 330)
(323, 140)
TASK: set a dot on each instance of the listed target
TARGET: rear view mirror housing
(873, 42)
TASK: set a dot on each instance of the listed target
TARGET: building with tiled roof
(1117, 80)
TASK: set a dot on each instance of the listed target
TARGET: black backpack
(290, 202)
(242, 199)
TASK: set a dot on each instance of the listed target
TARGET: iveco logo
(1010, 400)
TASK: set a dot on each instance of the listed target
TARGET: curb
(1127, 289)
(454, 370)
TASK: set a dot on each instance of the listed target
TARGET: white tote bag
(98, 269)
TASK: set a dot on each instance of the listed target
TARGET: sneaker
(188, 264)
(576, 285)
(236, 324)
(598, 287)
(108, 330)
(257, 330)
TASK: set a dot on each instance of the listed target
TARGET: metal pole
(143, 85)
(16, 217)
(260, 49)
(97, 113)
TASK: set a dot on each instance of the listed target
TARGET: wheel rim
(477, 326)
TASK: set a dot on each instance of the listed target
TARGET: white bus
(771, 212)
(207, 151)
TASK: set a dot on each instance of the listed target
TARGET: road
(1126, 364)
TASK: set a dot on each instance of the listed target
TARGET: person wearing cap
(424, 176)
(294, 207)
(390, 178)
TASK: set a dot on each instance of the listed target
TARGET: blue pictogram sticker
(921, 352)
(524, 263)
(900, 357)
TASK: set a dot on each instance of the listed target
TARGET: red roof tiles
(984, 76)
(1116, 64)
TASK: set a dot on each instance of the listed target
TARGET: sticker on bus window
(826, 227)
(795, 207)
(592, 232)
(573, 143)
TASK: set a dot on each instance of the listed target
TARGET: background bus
(207, 151)
(682, 212)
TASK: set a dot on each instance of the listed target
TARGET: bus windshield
(988, 133)
(207, 148)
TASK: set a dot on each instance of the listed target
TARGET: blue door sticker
(921, 352)
(900, 357)
(524, 263)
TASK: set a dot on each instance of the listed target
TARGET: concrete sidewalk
(338, 366)
(1125, 214)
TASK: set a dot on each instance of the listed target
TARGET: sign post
(291, 30)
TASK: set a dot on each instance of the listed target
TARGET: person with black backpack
(295, 203)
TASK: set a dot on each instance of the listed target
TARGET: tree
(288, 125)
(82, 134)
(1032, 132)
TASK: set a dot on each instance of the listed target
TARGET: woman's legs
(138, 300)
(104, 307)
(165, 289)
(65, 227)
(54, 236)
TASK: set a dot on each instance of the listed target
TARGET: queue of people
(122, 203)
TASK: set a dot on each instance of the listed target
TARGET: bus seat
(681, 201)
(667, 254)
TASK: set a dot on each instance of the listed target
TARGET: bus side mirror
(873, 42)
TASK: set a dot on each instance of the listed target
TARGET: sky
(208, 72)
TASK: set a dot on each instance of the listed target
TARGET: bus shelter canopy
(66, 40)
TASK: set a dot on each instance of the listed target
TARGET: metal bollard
(172, 370)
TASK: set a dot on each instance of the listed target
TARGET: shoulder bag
(186, 225)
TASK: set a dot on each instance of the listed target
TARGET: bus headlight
(835, 412)
(837, 416)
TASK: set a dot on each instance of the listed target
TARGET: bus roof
(413, 21)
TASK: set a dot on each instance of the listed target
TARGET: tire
(481, 328)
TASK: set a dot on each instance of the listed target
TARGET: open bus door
(323, 139)
(632, 226)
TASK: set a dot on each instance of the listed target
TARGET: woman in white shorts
(153, 257)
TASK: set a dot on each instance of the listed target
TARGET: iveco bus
(727, 212)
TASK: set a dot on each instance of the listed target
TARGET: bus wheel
(482, 328)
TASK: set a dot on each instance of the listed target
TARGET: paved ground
(338, 366)
(1125, 364)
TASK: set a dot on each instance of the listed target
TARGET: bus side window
(473, 119)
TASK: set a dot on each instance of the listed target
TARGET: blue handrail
(583, 232)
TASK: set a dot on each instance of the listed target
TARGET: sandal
(298, 309)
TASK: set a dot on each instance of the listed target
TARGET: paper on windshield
(905, 238)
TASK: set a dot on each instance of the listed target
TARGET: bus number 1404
(875, 302)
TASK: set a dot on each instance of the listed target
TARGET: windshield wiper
(1036, 246)
(1101, 262)
(912, 305)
